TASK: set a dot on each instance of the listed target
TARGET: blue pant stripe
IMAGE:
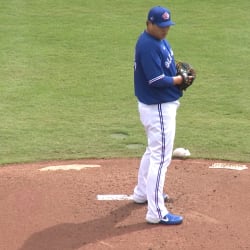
(162, 160)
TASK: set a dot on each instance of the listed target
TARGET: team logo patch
(165, 16)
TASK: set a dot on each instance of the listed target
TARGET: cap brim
(165, 24)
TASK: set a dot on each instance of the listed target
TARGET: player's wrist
(178, 80)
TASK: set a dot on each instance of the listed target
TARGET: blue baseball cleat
(171, 219)
(168, 219)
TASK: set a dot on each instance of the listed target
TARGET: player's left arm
(152, 66)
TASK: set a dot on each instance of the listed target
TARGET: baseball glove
(188, 74)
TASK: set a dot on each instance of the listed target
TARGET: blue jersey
(154, 68)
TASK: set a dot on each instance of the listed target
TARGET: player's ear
(149, 24)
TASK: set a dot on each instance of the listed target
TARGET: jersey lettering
(169, 59)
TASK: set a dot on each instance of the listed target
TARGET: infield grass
(66, 78)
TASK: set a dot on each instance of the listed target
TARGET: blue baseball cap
(160, 16)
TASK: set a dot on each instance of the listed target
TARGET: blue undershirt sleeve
(164, 82)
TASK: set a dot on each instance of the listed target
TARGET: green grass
(66, 78)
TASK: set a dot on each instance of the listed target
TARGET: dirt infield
(59, 210)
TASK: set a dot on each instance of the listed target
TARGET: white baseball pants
(159, 122)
